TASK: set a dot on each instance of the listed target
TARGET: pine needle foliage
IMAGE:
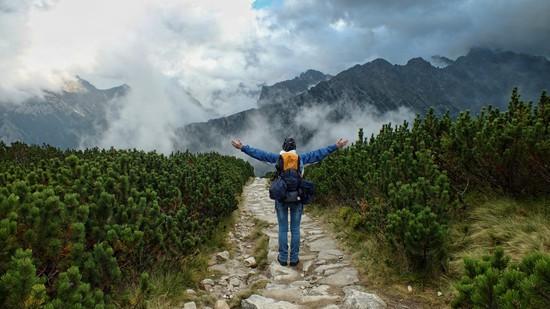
(407, 183)
(76, 225)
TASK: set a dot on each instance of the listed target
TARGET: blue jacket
(305, 158)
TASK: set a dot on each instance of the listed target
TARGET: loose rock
(190, 305)
(250, 261)
(222, 256)
(355, 299)
(221, 304)
(207, 283)
(235, 281)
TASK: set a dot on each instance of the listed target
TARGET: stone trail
(324, 278)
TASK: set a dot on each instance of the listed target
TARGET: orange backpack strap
(290, 160)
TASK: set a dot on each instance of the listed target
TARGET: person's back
(289, 165)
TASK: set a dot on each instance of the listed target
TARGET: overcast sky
(213, 46)
(218, 52)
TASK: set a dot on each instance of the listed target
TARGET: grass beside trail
(519, 227)
(261, 243)
(168, 281)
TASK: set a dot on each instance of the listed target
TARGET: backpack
(287, 184)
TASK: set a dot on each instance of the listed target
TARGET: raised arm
(255, 152)
(319, 154)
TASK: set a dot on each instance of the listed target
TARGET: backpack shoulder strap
(279, 165)
(299, 166)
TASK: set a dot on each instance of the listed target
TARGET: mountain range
(61, 118)
(482, 77)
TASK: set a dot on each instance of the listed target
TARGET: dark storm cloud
(359, 30)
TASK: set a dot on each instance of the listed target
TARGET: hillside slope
(480, 78)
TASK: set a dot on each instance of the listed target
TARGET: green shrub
(407, 182)
(96, 219)
(494, 282)
(20, 287)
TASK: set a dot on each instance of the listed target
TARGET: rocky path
(324, 278)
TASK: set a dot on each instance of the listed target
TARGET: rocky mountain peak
(418, 62)
(441, 61)
(475, 80)
(379, 63)
(312, 75)
(284, 90)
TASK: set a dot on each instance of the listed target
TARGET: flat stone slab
(260, 302)
(356, 299)
(323, 299)
(321, 269)
(322, 244)
(314, 237)
(307, 257)
(307, 266)
(346, 276)
(320, 290)
(330, 254)
(282, 273)
(283, 292)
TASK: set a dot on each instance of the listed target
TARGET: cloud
(320, 119)
(189, 60)
(17, 81)
(341, 33)
(327, 128)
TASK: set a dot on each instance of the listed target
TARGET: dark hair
(289, 144)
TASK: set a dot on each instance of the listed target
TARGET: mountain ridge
(60, 118)
(481, 77)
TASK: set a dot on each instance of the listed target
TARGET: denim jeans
(296, 210)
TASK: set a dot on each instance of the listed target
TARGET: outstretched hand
(341, 142)
(237, 143)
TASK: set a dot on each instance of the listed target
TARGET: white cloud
(218, 52)
(339, 25)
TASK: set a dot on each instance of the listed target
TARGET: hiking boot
(294, 263)
(281, 262)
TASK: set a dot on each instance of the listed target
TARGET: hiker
(291, 161)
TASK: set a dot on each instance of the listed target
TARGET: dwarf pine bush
(76, 225)
(412, 178)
